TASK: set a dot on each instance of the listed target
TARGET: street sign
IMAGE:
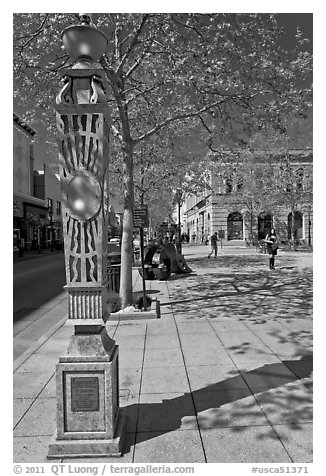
(141, 216)
(221, 234)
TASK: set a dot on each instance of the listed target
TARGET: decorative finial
(85, 18)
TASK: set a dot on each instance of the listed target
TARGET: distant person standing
(214, 240)
(272, 247)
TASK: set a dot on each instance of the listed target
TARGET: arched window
(239, 184)
(228, 185)
(295, 225)
(265, 223)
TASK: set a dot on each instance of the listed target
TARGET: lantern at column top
(84, 80)
(84, 42)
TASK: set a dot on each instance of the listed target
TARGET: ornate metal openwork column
(88, 418)
(83, 126)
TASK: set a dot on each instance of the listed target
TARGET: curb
(33, 256)
(30, 351)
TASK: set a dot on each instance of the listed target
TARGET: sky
(290, 21)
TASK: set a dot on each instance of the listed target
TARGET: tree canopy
(222, 76)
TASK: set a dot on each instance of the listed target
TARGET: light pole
(309, 225)
(179, 246)
(89, 422)
(51, 228)
(178, 197)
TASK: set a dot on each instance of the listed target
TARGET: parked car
(114, 251)
(115, 239)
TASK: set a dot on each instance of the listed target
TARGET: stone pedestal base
(89, 422)
(90, 448)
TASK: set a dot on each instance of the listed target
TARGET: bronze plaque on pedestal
(85, 394)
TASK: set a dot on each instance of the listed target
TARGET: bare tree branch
(35, 34)
(176, 118)
(117, 133)
(133, 43)
(144, 92)
(186, 26)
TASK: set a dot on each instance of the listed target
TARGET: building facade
(47, 187)
(29, 212)
(33, 194)
(224, 207)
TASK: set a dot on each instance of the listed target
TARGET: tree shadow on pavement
(178, 276)
(273, 391)
(248, 293)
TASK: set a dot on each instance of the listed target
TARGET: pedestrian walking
(214, 240)
(272, 247)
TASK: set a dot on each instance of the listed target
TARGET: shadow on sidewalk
(247, 295)
(288, 404)
(177, 276)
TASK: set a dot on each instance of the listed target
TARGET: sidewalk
(223, 376)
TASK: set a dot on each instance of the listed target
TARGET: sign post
(141, 222)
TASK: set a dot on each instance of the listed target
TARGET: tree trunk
(251, 229)
(118, 89)
(127, 231)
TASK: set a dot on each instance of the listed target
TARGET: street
(37, 289)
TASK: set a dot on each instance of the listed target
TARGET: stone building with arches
(224, 205)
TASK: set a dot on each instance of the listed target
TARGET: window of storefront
(235, 226)
(50, 204)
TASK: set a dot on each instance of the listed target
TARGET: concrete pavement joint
(139, 394)
(34, 400)
(29, 352)
(47, 310)
(188, 380)
(250, 390)
(253, 394)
